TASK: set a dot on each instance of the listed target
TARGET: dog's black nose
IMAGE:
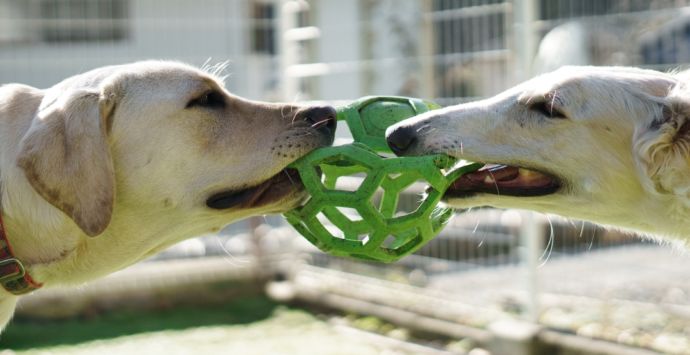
(401, 140)
(323, 118)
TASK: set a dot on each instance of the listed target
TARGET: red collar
(13, 276)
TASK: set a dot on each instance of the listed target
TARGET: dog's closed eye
(546, 109)
(209, 99)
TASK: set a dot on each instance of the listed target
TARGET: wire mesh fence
(589, 280)
(584, 278)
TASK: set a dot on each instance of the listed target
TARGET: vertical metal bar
(290, 49)
(428, 47)
(257, 234)
(532, 241)
(525, 45)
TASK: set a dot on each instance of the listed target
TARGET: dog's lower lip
(271, 190)
(504, 180)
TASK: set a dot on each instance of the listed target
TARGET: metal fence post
(531, 235)
(532, 241)
(525, 38)
(289, 55)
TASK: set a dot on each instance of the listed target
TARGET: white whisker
(546, 255)
(591, 241)
(235, 261)
(582, 229)
(498, 192)
(216, 70)
(553, 100)
(289, 178)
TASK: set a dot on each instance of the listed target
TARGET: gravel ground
(286, 332)
(637, 295)
(635, 273)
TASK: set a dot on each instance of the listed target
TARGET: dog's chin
(279, 193)
(503, 180)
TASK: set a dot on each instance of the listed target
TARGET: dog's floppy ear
(66, 157)
(662, 148)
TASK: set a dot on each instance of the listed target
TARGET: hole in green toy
(410, 198)
(401, 241)
(351, 213)
(377, 198)
(330, 227)
(399, 198)
(389, 242)
(350, 182)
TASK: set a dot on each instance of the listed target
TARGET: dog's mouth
(504, 180)
(273, 190)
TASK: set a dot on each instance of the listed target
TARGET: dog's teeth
(489, 179)
(527, 173)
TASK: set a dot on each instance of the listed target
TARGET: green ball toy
(368, 223)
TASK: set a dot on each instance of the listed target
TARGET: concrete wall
(159, 29)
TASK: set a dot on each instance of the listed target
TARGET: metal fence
(491, 264)
(488, 264)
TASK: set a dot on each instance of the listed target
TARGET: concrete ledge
(147, 285)
(571, 344)
(383, 300)
(396, 316)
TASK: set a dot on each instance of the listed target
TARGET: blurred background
(494, 282)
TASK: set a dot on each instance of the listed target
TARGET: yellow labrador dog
(609, 145)
(111, 166)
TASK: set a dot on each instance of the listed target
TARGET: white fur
(619, 152)
(130, 141)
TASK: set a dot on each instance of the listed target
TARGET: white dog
(609, 145)
(111, 166)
